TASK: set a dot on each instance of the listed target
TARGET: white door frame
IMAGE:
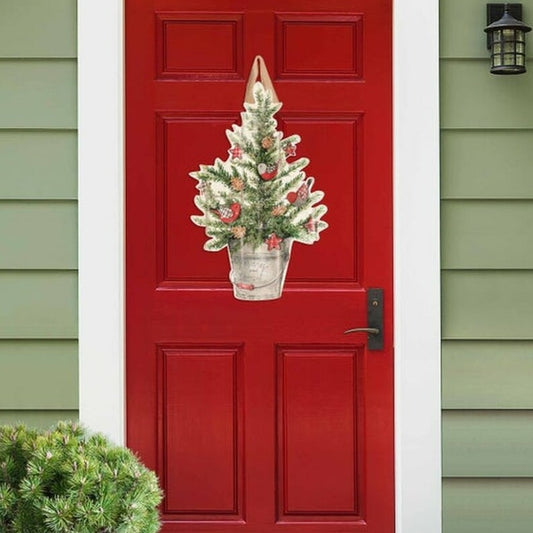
(416, 244)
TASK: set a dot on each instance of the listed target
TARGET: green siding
(38, 212)
(487, 443)
(487, 281)
(38, 235)
(38, 304)
(39, 419)
(37, 28)
(487, 374)
(487, 505)
(487, 304)
(500, 170)
(40, 94)
(487, 234)
(471, 97)
(38, 164)
(461, 30)
(39, 374)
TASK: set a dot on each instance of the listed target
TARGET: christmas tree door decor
(259, 200)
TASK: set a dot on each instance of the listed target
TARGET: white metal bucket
(258, 273)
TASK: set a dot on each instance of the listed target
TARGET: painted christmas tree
(257, 196)
(257, 202)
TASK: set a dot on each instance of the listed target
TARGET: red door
(260, 416)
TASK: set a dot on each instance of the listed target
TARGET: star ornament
(290, 150)
(236, 152)
(273, 242)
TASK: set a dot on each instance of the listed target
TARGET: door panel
(260, 416)
(319, 480)
(200, 395)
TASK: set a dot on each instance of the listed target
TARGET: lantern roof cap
(508, 22)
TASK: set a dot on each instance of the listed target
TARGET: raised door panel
(318, 426)
(200, 434)
(319, 46)
(185, 139)
(185, 45)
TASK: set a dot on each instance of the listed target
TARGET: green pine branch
(264, 207)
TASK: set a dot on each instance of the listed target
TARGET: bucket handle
(250, 286)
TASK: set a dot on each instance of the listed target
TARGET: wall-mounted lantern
(506, 38)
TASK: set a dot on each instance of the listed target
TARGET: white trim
(417, 266)
(416, 235)
(101, 216)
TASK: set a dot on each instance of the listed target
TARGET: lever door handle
(374, 320)
(370, 331)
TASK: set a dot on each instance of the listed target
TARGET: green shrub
(64, 480)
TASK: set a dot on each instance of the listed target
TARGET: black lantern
(507, 41)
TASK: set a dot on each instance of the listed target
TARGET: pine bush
(65, 480)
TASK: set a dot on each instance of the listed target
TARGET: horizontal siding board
(40, 94)
(487, 443)
(38, 235)
(461, 26)
(487, 305)
(487, 505)
(38, 304)
(38, 28)
(39, 374)
(38, 164)
(42, 419)
(486, 164)
(487, 375)
(487, 234)
(471, 97)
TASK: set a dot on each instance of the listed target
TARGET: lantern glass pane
(509, 59)
(508, 46)
(497, 60)
(520, 35)
(520, 48)
(497, 35)
(520, 60)
(508, 35)
(497, 48)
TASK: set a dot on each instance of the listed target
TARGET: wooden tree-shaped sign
(259, 200)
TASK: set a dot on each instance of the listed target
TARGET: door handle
(370, 331)
(374, 317)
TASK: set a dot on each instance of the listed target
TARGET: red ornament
(273, 242)
(229, 214)
(236, 152)
(310, 225)
(290, 150)
(267, 172)
(291, 197)
(299, 197)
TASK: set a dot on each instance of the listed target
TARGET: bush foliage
(64, 480)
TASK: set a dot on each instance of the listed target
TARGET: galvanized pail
(258, 273)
